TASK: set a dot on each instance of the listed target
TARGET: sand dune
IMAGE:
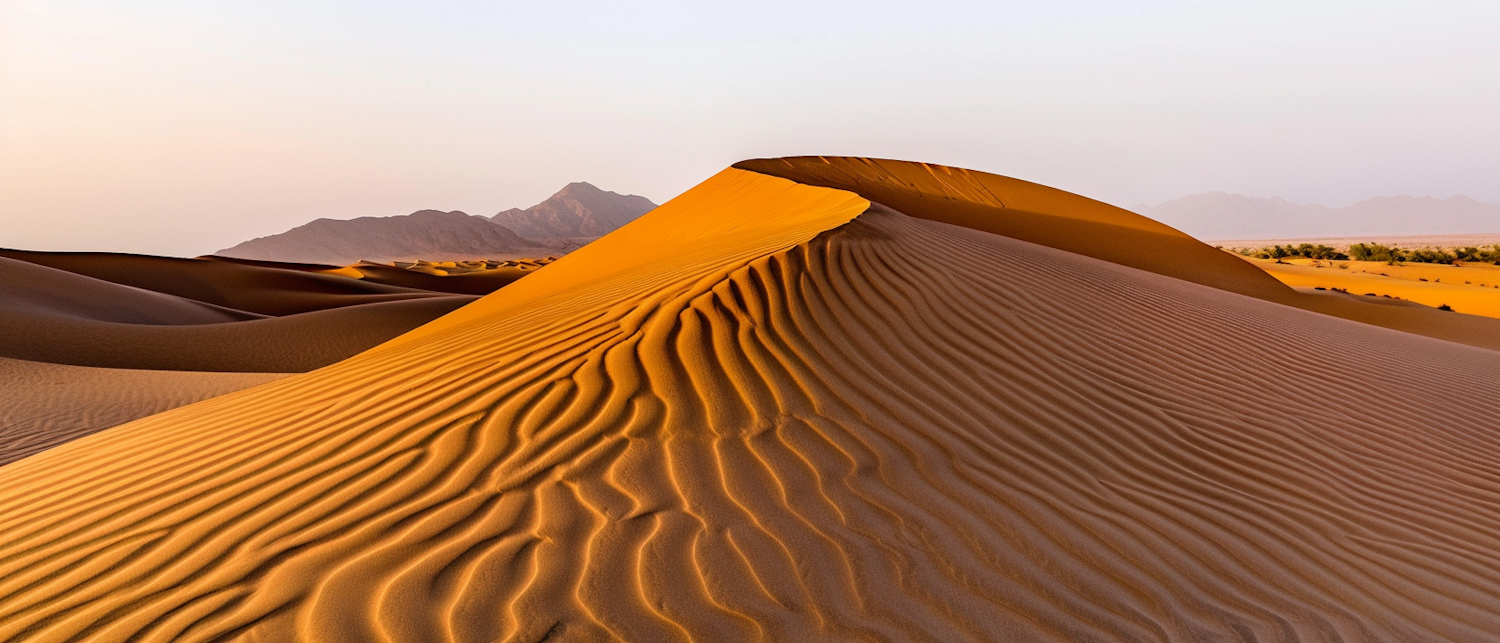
(61, 317)
(31, 289)
(45, 405)
(475, 283)
(288, 344)
(769, 411)
(241, 286)
(1066, 221)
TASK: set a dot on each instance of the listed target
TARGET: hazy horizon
(178, 128)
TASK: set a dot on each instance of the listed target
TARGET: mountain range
(574, 215)
(578, 210)
(1223, 216)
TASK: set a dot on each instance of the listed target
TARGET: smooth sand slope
(45, 405)
(770, 411)
(60, 317)
(239, 285)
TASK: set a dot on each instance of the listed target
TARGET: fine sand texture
(1070, 222)
(769, 411)
(45, 405)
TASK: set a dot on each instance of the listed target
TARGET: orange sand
(768, 411)
(1472, 288)
(45, 405)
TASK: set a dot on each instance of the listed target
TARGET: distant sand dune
(45, 405)
(768, 411)
(241, 286)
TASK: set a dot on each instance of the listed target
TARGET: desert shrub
(1430, 255)
(1376, 252)
(1472, 253)
(1288, 251)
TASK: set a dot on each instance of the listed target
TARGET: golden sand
(769, 411)
(1472, 288)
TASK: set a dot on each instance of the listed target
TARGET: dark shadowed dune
(477, 283)
(250, 288)
(34, 290)
(287, 344)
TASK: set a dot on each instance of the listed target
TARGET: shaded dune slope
(28, 289)
(1052, 217)
(63, 316)
(241, 286)
(289, 344)
(785, 419)
(476, 283)
(45, 405)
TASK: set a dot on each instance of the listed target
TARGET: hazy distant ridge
(423, 234)
(577, 211)
(1218, 215)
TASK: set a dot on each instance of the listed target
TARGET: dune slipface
(771, 411)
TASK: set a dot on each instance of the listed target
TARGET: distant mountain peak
(579, 210)
(424, 234)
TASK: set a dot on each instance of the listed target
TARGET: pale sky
(184, 127)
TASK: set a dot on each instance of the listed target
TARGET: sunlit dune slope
(1066, 221)
(774, 412)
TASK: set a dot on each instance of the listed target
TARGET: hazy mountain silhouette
(561, 223)
(1217, 215)
(425, 234)
(578, 210)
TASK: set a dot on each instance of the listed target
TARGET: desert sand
(222, 317)
(45, 405)
(79, 354)
(1472, 288)
(812, 399)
